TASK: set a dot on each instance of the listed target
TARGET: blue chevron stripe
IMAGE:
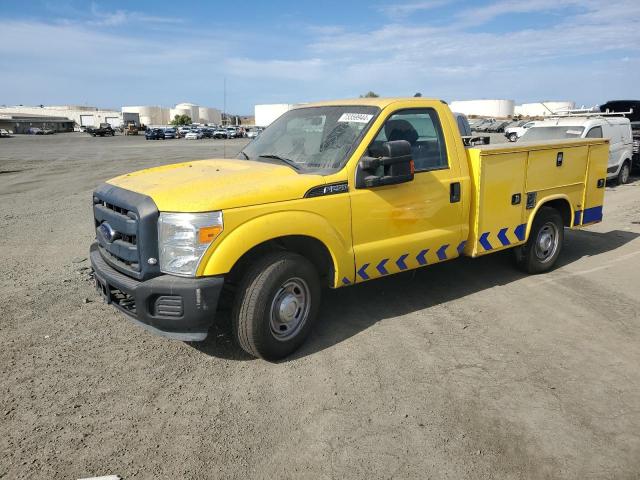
(363, 272)
(420, 257)
(381, 268)
(485, 242)
(346, 281)
(461, 247)
(502, 236)
(400, 262)
(520, 231)
(442, 252)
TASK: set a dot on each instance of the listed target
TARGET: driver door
(409, 225)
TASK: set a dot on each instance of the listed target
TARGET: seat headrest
(400, 130)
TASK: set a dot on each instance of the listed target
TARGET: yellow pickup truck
(330, 195)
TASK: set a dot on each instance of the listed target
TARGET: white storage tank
(542, 109)
(149, 115)
(267, 113)
(484, 108)
(190, 109)
(209, 115)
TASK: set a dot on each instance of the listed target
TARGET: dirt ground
(466, 369)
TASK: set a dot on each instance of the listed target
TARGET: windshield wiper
(291, 163)
(246, 157)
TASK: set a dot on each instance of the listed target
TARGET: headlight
(183, 238)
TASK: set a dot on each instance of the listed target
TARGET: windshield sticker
(355, 117)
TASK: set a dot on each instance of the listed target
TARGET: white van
(616, 129)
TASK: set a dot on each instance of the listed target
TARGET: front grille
(126, 230)
(636, 146)
(117, 233)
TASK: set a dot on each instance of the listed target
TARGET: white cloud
(405, 9)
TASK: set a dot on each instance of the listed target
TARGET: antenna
(224, 114)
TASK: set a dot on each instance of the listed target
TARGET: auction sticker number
(355, 117)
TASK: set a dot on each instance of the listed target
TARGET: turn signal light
(208, 234)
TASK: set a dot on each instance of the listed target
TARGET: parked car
(482, 124)
(154, 134)
(35, 131)
(48, 131)
(220, 133)
(254, 132)
(103, 130)
(616, 129)
(497, 127)
(514, 132)
(232, 132)
(195, 134)
(207, 132)
(4, 133)
(183, 130)
(170, 133)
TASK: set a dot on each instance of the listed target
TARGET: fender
(540, 204)
(222, 256)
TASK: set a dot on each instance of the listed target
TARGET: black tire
(624, 173)
(533, 257)
(257, 327)
(513, 137)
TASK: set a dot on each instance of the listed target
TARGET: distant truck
(103, 130)
(632, 106)
(330, 195)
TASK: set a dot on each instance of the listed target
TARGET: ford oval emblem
(107, 230)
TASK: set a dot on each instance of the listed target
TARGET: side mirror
(389, 164)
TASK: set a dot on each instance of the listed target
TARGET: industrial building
(485, 108)
(80, 115)
(157, 115)
(21, 123)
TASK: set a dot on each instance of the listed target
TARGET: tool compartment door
(498, 201)
(556, 167)
(595, 183)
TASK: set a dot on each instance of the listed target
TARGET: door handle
(454, 192)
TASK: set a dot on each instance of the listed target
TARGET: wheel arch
(307, 234)
(560, 203)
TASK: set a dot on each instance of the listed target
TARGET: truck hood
(217, 184)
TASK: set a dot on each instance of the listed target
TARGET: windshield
(552, 133)
(313, 138)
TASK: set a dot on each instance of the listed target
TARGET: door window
(595, 132)
(422, 129)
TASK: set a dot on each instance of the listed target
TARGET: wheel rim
(547, 242)
(625, 173)
(289, 309)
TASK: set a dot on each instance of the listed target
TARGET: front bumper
(175, 307)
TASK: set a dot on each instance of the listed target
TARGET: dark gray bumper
(175, 307)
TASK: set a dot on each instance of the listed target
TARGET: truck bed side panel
(591, 211)
(511, 182)
(497, 206)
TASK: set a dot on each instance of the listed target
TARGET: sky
(110, 54)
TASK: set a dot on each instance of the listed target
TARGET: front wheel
(276, 305)
(513, 137)
(543, 248)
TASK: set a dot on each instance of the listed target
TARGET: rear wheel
(543, 248)
(624, 173)
(276, 305)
